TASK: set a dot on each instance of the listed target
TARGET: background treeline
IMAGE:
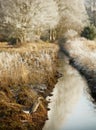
(28, 20)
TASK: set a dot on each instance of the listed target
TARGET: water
(71, 105)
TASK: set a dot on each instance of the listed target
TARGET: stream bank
(27, 76)
(71, 106)
(82, 55)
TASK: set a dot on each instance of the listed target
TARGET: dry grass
(20, 69)
(30, 63)
(83, 51)
(12, 115)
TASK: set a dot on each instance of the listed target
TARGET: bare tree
(72, 16)
(20, 18)
(91, 9)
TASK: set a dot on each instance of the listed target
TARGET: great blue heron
(35, 106)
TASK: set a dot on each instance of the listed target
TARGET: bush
(89, 32)
(71, 34)
(45, 36)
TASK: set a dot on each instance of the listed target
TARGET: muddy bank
(27, 76)
(82, 56)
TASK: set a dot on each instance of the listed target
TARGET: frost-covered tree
(20, 18)
(91, 9)
(72, 15)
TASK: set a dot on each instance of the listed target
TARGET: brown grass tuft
(30, 63)
(22, 69)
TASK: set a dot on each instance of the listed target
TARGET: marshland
(48, 65)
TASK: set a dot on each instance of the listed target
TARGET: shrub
(71, 34)
(89, 32)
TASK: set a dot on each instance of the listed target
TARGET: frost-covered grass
(30, 63)
(23, 70)
(83, 52)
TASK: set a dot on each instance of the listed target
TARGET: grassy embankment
(27, 73)
(82, 55)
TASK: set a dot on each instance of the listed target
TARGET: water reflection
(83, 116)
(70, 106)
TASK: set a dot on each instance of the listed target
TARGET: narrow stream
(71, 104)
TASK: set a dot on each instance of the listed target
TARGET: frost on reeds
(83, 52)
(28, 64)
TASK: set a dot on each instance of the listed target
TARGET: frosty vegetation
(72, 15)
(91, 9)
(27, 65)
(83, 51)
(21, 19)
